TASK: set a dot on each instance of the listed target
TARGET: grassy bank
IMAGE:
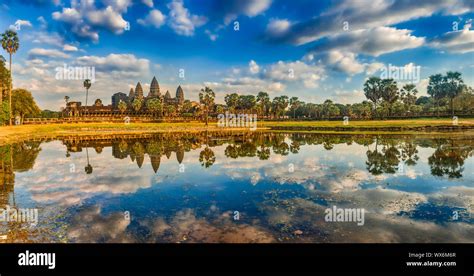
(19, 133)
(380, 124)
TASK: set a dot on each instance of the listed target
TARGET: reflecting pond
(239, 187)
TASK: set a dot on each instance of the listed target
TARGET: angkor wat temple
(98, 109)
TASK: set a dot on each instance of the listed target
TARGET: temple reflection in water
(384, 153)
(410, 184)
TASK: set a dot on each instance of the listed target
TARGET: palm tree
(294, 103)
(373, 91)
(10, 43)
(2, 77)
(453, 86)
(263, 100)
(435, 90)
(87, 85)
(206, 98)
(389, 93)
(88, 169)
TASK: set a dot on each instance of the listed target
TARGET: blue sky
(315, 50)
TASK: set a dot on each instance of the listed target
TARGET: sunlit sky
(315, 50)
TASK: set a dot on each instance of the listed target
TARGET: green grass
(10, 134)
(18, 133)
(378, 123)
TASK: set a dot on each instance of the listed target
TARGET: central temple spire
(154, 88)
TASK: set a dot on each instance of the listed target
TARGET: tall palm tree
(373, 91)
(10, 43)
(206, 98)
(453, 86)
(435, 90)
(2, 77)
(87, 85)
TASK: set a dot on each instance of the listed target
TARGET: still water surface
(240, 187)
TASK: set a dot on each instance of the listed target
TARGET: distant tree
(49, 114)
(408, 95)
(263, 102)
(247, 102)
(122, 106)
(232, 100)
(4, 113)
(11, 44)
(435, 88)
(170, 110)
(465, 100)
(207, 157)
(4, 92)
(373, 91)
(23, 104)
(220, 109)
(154, 105)
(453, 86)
(362, 110)
(294, 104)
(137, 104)
(187, 107)
(330, 109)
(4, 79)
(87, 84)
(389, 93)
(206, 98)
(279, 105)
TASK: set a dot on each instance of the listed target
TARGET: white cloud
(253, 67)
(343, 61)
(70, 48)
(86, 31)
(53, 39)
(373, 67)
(461, 41)
(42, 21)
(182, 21)
(296, 71)
(155, 18)
(113, 73)
(20, 24)
(85, 19)
(361, 15)
(125, 63)
(278, 27)
(68, 15)
(119, 5)
(249, 8)
(108, 18)
(374, 42)
(212, 36)
(49, 53)
(148, 3)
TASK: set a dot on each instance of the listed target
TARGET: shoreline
(12, 134)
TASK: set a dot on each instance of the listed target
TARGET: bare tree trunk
(452, 107)
(10, 92)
